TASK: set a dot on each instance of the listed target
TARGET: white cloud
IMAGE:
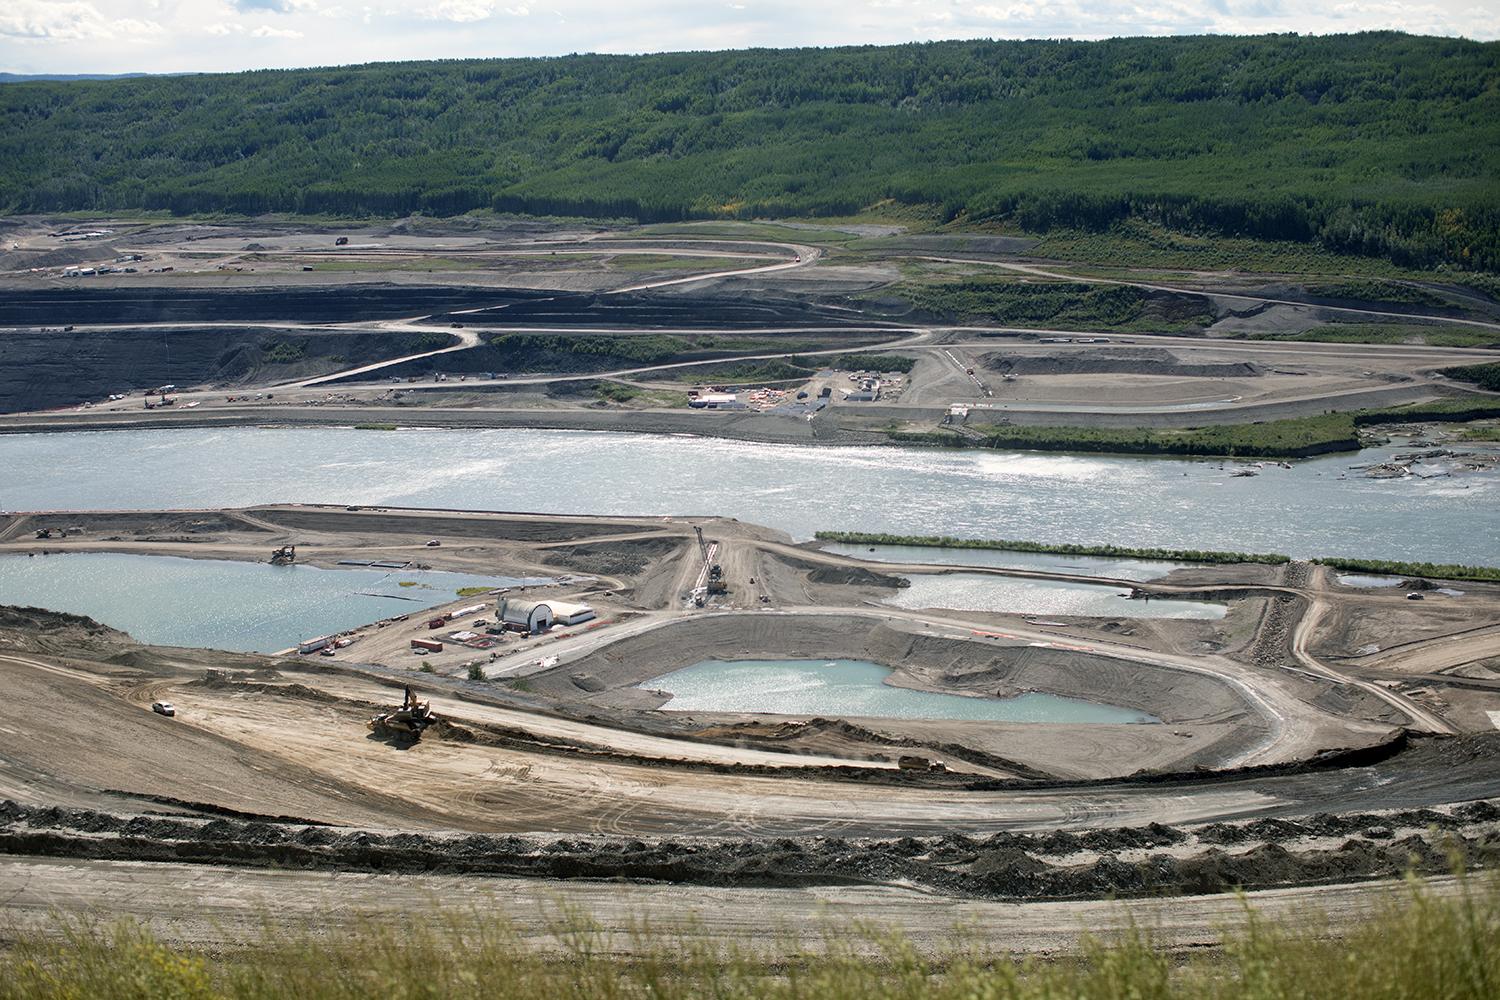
(273, 6)
(459, 11)
(46, 20)
(266, 31)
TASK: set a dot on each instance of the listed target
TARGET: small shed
(533, 616)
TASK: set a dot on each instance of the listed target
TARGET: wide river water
(1317, 507)
(856, 688)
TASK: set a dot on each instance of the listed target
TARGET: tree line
(1379, 144)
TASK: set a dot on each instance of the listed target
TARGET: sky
(172, 36)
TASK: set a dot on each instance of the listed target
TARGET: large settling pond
(982, 592)
(239, 606)
(1319, 507)
(843, 688)
(1109, 566)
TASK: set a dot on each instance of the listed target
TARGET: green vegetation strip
(1423, 570)
(1383, 567)
(1055, 304)
(1293, 437)
(1060, 548)
(1486, 376)
(1410, 943)
(1388, 333)
(884, 363)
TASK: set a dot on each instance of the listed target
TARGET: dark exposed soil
(668, 311)
(1057, 865)
(44, 370)
(1145, 361)
(309, 304)
(623, 558)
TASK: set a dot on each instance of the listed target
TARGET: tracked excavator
(407, 722)
(284, 556)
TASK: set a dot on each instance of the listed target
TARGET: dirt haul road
(215, 907)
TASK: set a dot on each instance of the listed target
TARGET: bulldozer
(406, 722)
(284, 556)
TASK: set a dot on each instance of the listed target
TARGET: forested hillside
(1380, 144)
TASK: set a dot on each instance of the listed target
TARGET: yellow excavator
(406, 722)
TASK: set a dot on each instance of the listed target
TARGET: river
(1317, 507)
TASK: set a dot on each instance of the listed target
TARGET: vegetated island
(1383, 567)
(1291, 437)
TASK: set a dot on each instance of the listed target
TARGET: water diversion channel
(1318, 507)
(843, 688)
(238, 606)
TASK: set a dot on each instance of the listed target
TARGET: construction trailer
(313, 645)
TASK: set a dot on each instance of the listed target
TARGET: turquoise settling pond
(856, 688)
(238, 606)
(982, 592)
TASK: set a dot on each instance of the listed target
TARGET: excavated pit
(919, 660)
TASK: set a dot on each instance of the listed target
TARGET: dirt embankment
(1144, 361)
(1148, 860)
(45, 370)
(143, 526)
(520, 528)
(629, 557)
(36, 624)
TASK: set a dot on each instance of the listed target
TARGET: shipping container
(431, 645)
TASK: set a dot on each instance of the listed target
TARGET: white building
(571, 614)
(533, 616)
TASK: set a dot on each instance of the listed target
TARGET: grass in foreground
(1414, 943)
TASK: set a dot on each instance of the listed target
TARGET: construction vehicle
(284, 556)
(406, 722)
(47, 533)
(715, 572)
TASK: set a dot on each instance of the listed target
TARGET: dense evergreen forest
(1379, 144)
